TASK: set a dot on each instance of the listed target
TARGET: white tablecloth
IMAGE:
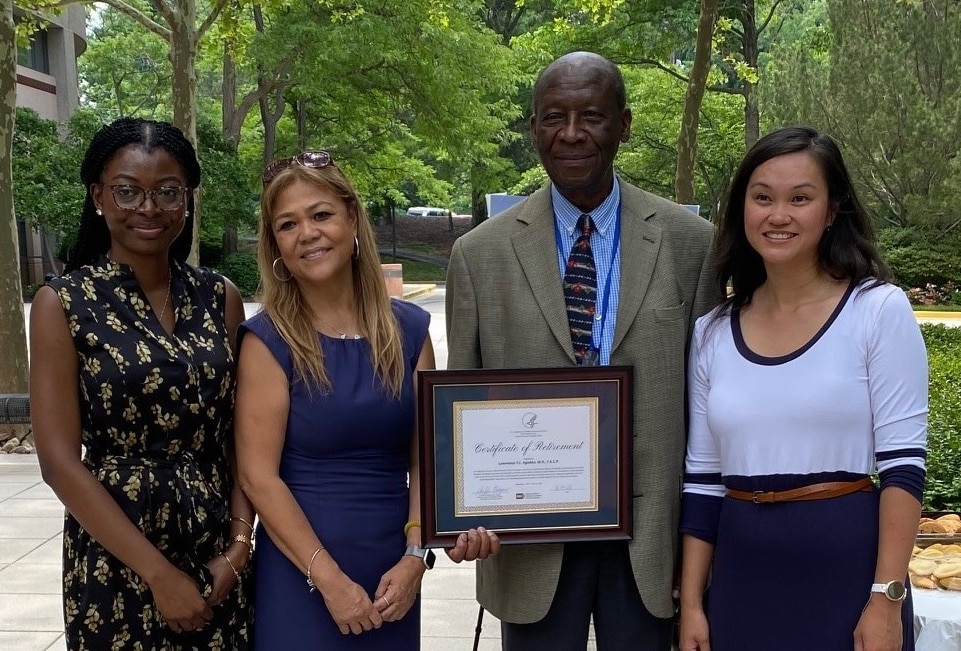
(937, 620)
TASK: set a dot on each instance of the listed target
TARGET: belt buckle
(755, 496)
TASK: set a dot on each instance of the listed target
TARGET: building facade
(47, 82)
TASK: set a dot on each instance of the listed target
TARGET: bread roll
(922, 566)
(949, 569)
(951, 583)
(933, 527)
(931, 552)
(924, 582)
(950, 516)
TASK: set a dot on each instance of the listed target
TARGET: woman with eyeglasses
(325, 424)
(131, 388)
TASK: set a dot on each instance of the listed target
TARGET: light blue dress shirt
(607, 259)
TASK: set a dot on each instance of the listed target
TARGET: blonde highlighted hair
(293, 316)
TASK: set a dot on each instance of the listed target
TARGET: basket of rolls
(936, 561)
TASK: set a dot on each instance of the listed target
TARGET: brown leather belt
(823, 491)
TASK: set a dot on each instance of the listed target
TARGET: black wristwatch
(426, 555)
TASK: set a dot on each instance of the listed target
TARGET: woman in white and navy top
(811, 377)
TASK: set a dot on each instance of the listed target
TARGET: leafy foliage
(46, 170)
(919, 257)
(228, 200)
(944, 417)
(884, 86)
(241, 268)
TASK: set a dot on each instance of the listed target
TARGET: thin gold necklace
(343, 335)
(166, 298)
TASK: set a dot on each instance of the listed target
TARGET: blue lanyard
(606, 297)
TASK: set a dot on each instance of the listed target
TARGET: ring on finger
(386, 600)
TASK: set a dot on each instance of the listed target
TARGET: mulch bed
(421, 232)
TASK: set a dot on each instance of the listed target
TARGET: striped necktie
(580, 289)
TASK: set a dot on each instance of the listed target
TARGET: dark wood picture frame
(609, 387)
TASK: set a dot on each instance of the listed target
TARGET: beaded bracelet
(231, 564)
(410, 525)
(310, 581)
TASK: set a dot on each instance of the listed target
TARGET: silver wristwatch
(893, 590)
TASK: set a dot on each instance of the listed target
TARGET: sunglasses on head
(312, 159)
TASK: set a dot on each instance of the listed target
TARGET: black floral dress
(156, 416)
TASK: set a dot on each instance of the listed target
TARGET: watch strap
(891, 588)
(427, 556)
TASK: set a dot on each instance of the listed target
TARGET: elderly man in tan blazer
(506, 308)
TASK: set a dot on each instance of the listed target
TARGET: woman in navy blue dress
(808, 380)
(325, 424)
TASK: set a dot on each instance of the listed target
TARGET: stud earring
(99, 212)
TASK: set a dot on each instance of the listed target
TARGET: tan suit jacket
(505, 309)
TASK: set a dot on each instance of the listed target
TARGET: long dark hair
(93, 238)
(846, 250)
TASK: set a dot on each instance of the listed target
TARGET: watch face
(895, 591)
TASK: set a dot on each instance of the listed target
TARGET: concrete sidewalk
(31, 519)
(31, 618)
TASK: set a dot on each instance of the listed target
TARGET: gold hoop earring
(273, 270)
(356, 248)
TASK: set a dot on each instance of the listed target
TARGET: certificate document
(537, 455)
(525, 456)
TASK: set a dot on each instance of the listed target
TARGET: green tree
(13, 339)
(697, 82)
(884, 85)
(125, 70)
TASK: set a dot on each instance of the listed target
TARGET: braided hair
(93, 237)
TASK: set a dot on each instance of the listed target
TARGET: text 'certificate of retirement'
(526, 456)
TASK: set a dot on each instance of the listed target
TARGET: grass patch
(415, 246)
(416, 271)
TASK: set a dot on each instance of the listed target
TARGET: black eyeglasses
(312, 159)
(130, 197)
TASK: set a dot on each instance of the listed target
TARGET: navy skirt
(794, 576)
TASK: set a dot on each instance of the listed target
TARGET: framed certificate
(537, 455)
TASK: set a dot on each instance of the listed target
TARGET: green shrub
(917, 257)
(241, 268)
(944, 417)
(30, 290)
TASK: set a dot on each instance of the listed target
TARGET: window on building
(34, 56)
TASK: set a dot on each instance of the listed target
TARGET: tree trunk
(478, 202)
(301, 124)
(228, 94)
(752, 127)
(183, 57)
(230, 240)
(697, 81)
(269, 118)
(14, 367)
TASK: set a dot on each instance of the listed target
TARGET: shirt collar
(566, 214)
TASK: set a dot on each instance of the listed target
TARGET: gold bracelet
(241, 538)
(310, 563)
(231, 564)
(410, 525)
(238, 519)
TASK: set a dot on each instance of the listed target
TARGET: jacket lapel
(640, 243)
(535, 245)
